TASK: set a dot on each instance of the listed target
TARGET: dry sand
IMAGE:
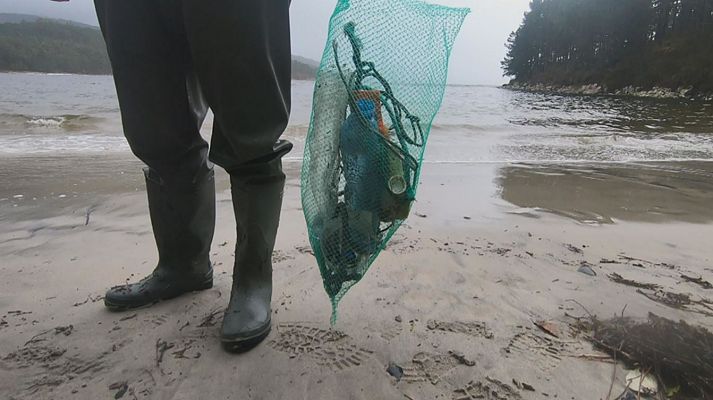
(452, 301)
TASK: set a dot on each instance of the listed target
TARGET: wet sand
(604, 194)
(488, 250)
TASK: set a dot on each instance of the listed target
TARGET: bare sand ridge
(451, 306)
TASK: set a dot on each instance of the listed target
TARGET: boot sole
(116, 307)
(242, 345)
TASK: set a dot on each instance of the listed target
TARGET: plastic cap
(397, 184)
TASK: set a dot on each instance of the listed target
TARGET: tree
(614, 43)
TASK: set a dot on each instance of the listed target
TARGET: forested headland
(33, 44)
(52, 46)
(614, 45)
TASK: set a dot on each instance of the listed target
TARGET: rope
(396, 110)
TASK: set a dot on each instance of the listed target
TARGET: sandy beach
(560, 245)
(489, 251)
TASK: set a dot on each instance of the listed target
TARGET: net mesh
(378, 88)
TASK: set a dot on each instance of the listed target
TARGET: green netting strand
(378, 88)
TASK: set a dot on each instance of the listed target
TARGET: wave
(11, 123)
(53, 122)
(57, 144)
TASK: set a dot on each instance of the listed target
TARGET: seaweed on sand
(678, 354)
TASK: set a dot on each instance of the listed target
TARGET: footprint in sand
(29, 356)
(474, 328)
(543, 351)
(50, 366)
(429, 367)
(329, 348)
(490, 389)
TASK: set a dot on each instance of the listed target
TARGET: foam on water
(61, 144)
(608, 147)
(11, 124)
(54, 122)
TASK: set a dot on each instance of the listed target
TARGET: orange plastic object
(375, 96)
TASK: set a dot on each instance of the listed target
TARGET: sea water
(58, 131)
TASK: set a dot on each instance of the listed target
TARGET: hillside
(614, 44)
(33, 44)
(303, 69)
(52, 46)
(17, 18)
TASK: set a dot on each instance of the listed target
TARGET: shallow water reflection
(605, 193)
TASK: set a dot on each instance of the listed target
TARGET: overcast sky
(475, 60)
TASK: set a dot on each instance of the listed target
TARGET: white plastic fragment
(645, 385)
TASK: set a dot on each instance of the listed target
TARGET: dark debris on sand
(629, 282)
(680, 301)
(678, 354)
(698, 281)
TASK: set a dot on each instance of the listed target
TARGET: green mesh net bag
(378, 88)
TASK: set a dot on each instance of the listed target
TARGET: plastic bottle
(359, 149)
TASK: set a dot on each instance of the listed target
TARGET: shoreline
(586, 191)
(594, 89)
(595, 192)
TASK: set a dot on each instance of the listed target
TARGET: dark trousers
(174, 58)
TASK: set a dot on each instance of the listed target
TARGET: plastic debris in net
(378, 88)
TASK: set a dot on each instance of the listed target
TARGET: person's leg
(162, 110)
(242, 58)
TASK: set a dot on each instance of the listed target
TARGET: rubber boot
(257, 190)
(183, 220)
